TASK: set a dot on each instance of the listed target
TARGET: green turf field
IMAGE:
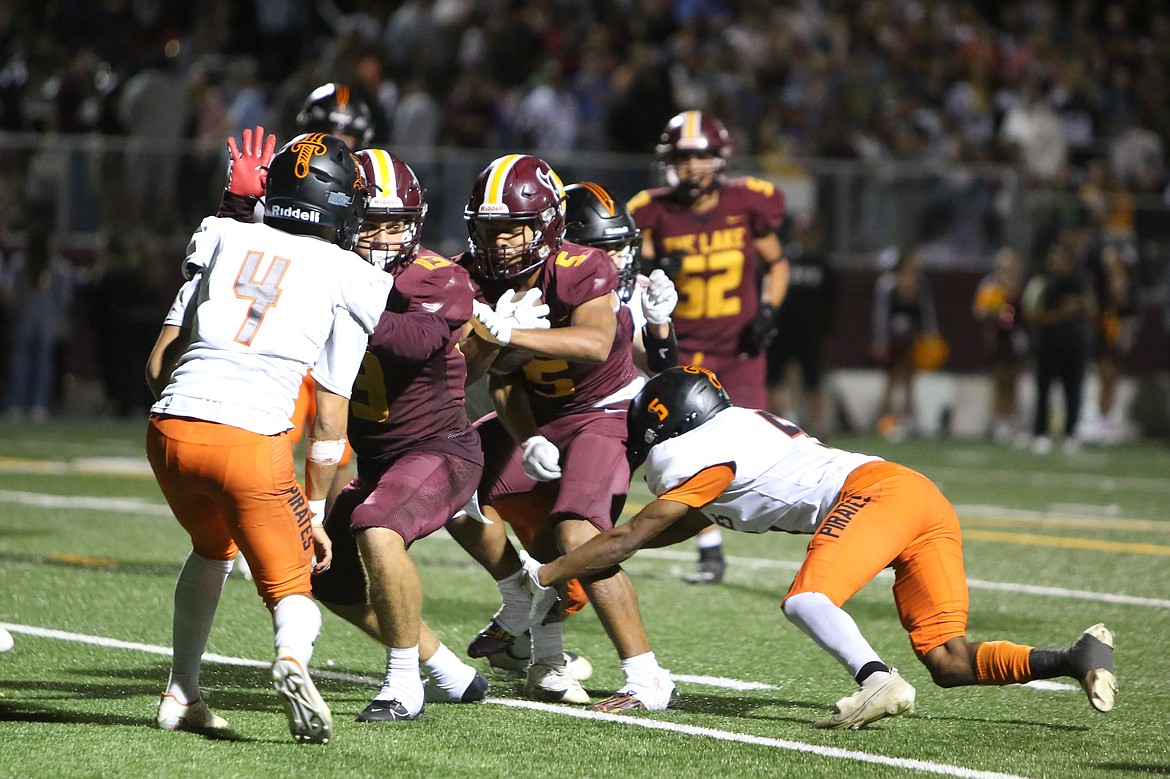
(1053, 545)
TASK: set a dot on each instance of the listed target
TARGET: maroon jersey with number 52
(717, 276)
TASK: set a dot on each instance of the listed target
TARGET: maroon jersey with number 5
(717, 276)
(569, 278)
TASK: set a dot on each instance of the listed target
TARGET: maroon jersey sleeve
(557, 387)
(409, 394)
(766, 207)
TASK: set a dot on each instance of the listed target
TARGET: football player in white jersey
(708, 461)
(263, 303)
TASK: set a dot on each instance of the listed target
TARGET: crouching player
(709, 461)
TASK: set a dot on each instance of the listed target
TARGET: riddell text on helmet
(300, 214)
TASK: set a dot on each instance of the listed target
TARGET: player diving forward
(707, 460)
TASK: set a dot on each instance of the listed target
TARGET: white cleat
(883, 695)
(309, 718)
(193, 716)
(553, 684)
(1092, 654)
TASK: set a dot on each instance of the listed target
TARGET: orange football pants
(304, 411)
(234, 490)
(890, 516)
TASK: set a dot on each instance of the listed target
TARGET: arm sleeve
(702, 488)
(201, 250)
(181, 308)
(365, 291)
(237, 207)
(660, 354)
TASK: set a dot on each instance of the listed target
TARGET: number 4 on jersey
(263, 292)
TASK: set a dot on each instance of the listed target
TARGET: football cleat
(707, 572)
(388, 711)
(883, 695)
(474, 693)
(309, 718)
(193, 716)
(553, 684)
(493, 639)
(634, 699)
(1092, 658)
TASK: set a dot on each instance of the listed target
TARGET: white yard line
(927, 766)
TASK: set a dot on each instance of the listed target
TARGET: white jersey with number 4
(263, 306)
(784, 479)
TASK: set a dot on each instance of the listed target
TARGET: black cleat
(1092, 661)
(387, 711)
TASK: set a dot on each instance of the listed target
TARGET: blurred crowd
(1051, 84)
(1069, 92)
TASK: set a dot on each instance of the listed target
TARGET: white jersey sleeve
(342, 356)
(784, 479)
(265, 311)
(181, 309)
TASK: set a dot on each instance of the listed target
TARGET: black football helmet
(336, 110)
(671, 403)
(515, 188)
(594, 218)
(316, 187)
(395, 196)
(693, 134)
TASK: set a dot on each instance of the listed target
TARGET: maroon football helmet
(693, 134)
(395, 196)
(516, 188)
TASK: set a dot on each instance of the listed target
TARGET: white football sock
(296, 621)
(709, 538)
(402, 681)
(514, 611)
(832, 628)
(641, 667)
(196, 597)
(447, 671)
(548, 643)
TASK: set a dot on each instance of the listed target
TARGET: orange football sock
(1002, 662)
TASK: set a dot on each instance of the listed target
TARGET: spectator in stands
(1117, 326)
(903, 312)
(1060, 306)
(999, 311)
(39, 289)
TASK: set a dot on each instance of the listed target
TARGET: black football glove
(762, 331)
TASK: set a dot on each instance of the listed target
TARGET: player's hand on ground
(660, 298)
(322, 549)
(542, 459)
(248, 170)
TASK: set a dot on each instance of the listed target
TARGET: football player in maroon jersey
(561, 396)
(716, 238)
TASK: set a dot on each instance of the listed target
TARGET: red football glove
(248, 171)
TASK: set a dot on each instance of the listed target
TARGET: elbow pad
(660, 353)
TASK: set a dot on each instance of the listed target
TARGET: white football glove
(544, 599)
(659, 299)
(496, 325)
(541, 459)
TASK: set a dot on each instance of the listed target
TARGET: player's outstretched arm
(616, 545)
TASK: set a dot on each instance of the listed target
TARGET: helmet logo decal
(710, 376)
(305, 150)
(550, 179)
(659, 410)
(691, 133)
(493, 195)
(342, 95)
